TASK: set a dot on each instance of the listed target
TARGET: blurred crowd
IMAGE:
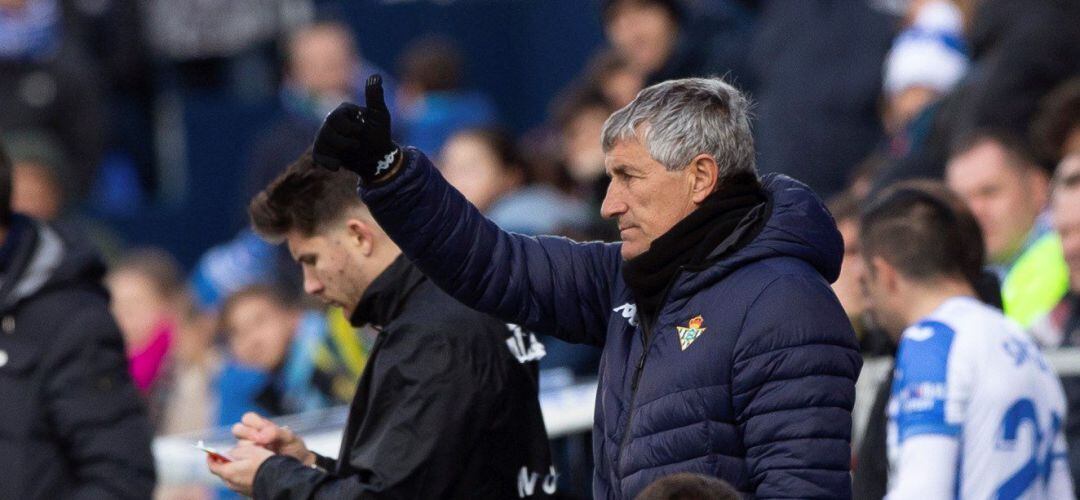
(850, 97)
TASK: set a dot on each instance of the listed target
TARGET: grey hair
(677, 120)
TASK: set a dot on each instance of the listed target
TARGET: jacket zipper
(646, 340)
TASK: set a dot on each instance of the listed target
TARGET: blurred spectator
(323, 68)
(188, 398)
(926, 60)
(861, 180)
(663, 39)
(644, 32)
(36, 191)
(687, 486)
(48, 83)
(226, 268)
(39, 170)
(72, 424)
(486, 166)
(145, 287)
(288, 346)
(580, 116)
(41, 188)
(1056, 129)
(612, 76)
(432, 104)
(870, 464)
(818, 96)
(1061, 326)
(848, 286)
(1008, 191)
(1020, 51)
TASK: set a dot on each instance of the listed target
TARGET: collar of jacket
(382, 301)
(18, 229)
(16, 253)
(719, 226)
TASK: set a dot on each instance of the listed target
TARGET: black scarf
(691, 241)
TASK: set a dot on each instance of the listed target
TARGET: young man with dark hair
(447, 405)
(72, 424)
(964, 373)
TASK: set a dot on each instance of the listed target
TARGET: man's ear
(362, 235)
(886, 274)
(704, 173)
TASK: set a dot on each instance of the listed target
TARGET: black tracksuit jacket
(446, 407)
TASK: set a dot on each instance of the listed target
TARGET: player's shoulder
(966, 319)
(954, 330)
(930, 334)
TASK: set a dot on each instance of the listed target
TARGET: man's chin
(347, 311)
(629, 251)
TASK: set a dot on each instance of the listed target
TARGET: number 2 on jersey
(1038, 467)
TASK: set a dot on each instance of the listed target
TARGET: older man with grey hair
(725, 351)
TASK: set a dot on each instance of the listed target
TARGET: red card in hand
(214, 454)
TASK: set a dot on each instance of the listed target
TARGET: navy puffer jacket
(748, 375)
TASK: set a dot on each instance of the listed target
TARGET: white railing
(568, 410)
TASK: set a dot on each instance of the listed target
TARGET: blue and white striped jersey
(967, 375)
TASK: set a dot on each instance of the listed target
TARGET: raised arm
(551, 285)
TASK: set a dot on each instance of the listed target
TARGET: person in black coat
(71, 421)
(447, 404)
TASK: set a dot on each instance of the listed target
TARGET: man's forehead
(300, 244)
(627, 153)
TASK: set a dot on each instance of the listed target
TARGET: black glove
(358, 138)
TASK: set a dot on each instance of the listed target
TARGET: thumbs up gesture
(357, 138)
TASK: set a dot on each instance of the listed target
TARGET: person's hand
(282, 440)
(358, 138)
(239, 474)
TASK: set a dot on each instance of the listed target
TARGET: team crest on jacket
(689, 333)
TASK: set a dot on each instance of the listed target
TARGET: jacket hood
(797, 225)
(47, 258)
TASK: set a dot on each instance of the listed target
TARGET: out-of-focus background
(148, 125)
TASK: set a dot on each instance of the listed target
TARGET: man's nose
(612, 206)
(312, 286)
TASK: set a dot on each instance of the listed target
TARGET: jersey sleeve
(931, 387)
(926, 469)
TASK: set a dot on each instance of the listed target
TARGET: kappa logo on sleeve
(689, 333)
